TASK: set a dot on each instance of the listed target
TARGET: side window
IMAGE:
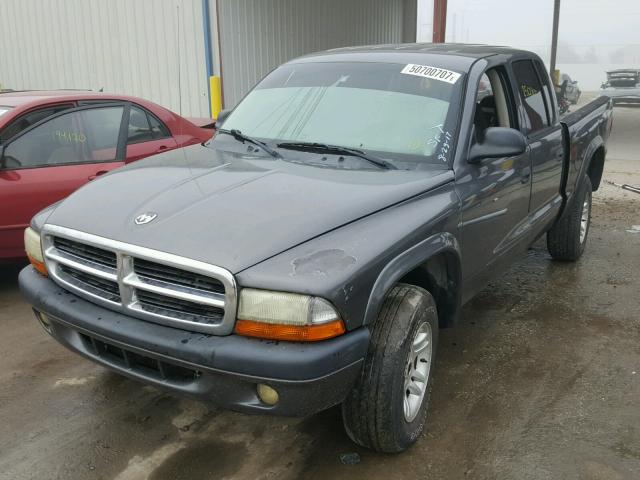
(484, 88)
(102, 128)
(80, 136)
(158, 129)
(530, 91)
(492, 107)
(546, 89)
(139, 129)
(485, 115)
(144, 127)
(30, 118)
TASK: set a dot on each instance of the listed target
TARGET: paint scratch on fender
(323, 263)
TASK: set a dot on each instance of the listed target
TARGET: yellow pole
(215, 93)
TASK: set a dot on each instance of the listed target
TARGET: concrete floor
(540, 380)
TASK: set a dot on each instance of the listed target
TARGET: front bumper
(223, 370)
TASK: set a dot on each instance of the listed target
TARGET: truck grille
(86, 252)
(95, 285)
(163, 305)
(141, 282)
(163, 273)
(141, 364)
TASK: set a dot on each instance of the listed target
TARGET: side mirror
(222, 115)
(498, 142)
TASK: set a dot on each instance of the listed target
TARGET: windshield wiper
(337, 149)
(241, 137)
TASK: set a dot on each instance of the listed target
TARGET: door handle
(525, 178)
(97, 174)
(162, 148)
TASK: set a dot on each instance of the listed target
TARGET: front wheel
(386, 410)
(568, 237)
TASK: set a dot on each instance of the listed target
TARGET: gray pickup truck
(308, 254)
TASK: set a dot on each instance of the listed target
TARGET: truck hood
(233, 210)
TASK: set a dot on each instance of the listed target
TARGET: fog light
(44, 320)
(267, 394)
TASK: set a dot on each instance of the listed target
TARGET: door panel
(27, 191)
(545, 139)
(547, 156)
(494, 192)
(495, 203)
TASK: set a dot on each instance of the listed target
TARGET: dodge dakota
(309, 253)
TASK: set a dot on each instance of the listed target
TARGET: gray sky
(594, 35)
(523, 23)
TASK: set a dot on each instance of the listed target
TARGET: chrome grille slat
(155, 303)
(205, 298)
(86, 252)
(107, 289)
(84, 267)
(164, 273)
(148, 284)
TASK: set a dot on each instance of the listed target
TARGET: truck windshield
(400, 112)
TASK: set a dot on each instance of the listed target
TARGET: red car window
(144, 127)
(30, 118)
(79, 136)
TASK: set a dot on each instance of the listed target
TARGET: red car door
(146, 135)
(48, 161)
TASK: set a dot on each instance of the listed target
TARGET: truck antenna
(179, 60)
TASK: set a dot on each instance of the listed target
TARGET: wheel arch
(595, 168)
(433, 264)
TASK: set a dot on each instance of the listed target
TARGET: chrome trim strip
(52, 254)
(128, 281)
(181, 293)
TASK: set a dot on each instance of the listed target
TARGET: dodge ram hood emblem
(145, 218)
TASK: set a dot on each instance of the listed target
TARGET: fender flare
(594, 145)
(407, 261)
(591, 149)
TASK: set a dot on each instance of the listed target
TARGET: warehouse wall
(258, 35)
(123, 46)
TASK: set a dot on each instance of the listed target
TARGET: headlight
(34, 250)
(286, 316)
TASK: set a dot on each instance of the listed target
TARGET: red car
(52, 142)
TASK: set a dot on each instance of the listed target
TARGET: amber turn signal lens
(293, 333)
(34, 250)
(39, 266)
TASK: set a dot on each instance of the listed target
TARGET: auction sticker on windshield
(433, 73)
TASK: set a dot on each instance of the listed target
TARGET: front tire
(568, 237)
(386, 410)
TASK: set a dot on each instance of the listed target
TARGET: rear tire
(568, 237)
(386, 410)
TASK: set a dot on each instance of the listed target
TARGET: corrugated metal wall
(258, 35)
(123, 46)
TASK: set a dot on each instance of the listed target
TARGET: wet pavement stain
(203, 459)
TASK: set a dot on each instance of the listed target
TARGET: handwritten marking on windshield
(445, 147)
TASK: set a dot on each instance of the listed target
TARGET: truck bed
(585, 132)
